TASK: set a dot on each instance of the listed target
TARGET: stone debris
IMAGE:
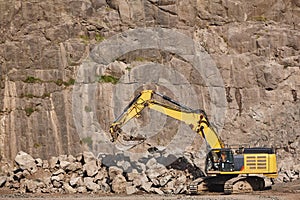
(81, 189)
(131, 189)
(45, 164)
(88, 156)
(146, 186)
(2, 180)
(25, 161)
(64, 164)
(86, 174)
(68, 188)
(75, 181)
(90, 168)
(157, 191)
(52, 162)
(119, 184)
(39, 162)
(90, 185)
(114, 171)
(164, 180)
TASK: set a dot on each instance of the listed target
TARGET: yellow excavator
(234, 170)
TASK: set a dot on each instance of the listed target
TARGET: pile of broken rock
(86, 174)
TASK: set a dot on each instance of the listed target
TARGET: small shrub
(29, 111)
(260, 18)
(87, 140)
(59, 82)
(29, 95)
(158, 141)
(85, 38)
(140, 59)
(87, 109)
(70, 82)
(108, 9)
(37, 145)
(108, 79)
(31, 79)
(99, 38)
(46, 95)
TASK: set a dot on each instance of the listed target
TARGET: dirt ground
(283, 191)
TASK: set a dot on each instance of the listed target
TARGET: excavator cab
(220, 160)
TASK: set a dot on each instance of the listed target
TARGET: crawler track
(226, 184)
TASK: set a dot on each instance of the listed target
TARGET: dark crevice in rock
(167, 11)
(269, 89)
(294, 93)
(228, 95)
(238, 98)
(162, 2)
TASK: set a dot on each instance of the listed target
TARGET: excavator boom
(196, 119)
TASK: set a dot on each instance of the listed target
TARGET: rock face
(255, 45)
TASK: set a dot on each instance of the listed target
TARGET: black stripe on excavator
(174, 102)
(128, 106)
(259, 150)
(202, 132)
(198, 111)
(205, 122)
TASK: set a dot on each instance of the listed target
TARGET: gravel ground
(283, 191)
(265, 195)
(252, 196)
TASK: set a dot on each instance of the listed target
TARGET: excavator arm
(195, 119)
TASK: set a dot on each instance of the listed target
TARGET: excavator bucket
(124, 142)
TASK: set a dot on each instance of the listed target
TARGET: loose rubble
(84, 173)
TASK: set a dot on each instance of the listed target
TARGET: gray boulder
(53, 162)
(26, 161)
(88, 156)
(90, 185)
(74, 181)
(68, 188)
(131, 189)
(91, 168)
